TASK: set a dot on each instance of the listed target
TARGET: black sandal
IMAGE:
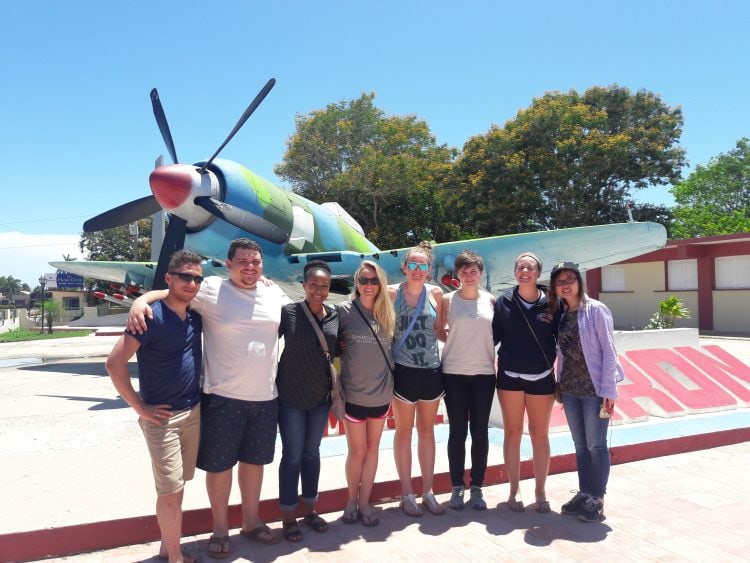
(316, 522)
(292, 532)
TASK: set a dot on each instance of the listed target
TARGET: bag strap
(404, 336)
(385, 356)
(533, 332)
(319, 332)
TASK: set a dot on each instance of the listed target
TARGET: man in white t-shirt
(239, 405)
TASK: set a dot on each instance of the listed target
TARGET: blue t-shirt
(169, 359)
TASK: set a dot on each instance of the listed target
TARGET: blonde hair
(382, 310)
(424, 248)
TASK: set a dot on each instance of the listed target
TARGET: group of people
(387, 338)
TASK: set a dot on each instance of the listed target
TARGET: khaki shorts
(174, 448)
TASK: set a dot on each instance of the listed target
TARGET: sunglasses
(187, 278)
(566, 281)
(414, 265)
(370, 281)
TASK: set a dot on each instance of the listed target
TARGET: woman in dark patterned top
(588, 371)
(304, 384)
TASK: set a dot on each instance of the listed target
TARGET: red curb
(81, 538)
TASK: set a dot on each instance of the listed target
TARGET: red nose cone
(171, 185)
(450, 281)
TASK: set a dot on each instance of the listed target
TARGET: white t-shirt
(469, 349)
(240, 338)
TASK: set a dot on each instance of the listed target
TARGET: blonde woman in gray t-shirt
(366, 326)
(468, 376)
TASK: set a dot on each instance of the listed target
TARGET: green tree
(52, 311)
(656, 213)
(387, 171)
(116, 244)
(568, 160)
(715, 199)
(9, 286)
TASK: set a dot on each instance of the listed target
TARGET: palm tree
(670, 309)
(9, 286)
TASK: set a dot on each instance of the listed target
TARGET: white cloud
(26, 256)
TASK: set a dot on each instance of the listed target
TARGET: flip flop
(292, 532)
(256, 534)
(516, 506)
(369, 520)
(542, 506)
(314, 521)
(224, 547)
(350, 516)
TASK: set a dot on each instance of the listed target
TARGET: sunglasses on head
(187, 278)
(370, 281)
(414, 265)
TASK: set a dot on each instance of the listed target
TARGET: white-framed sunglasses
(414, 265)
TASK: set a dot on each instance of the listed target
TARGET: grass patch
(23, 335)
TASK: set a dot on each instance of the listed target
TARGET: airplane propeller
(173, 183)
(161, 121)
(238, 217)
(123, 214)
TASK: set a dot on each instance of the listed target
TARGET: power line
(43, 220)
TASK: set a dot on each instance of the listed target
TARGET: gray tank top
(469, 349)
(420, 349)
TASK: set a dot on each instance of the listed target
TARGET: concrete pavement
(71, 454)
(685, 507)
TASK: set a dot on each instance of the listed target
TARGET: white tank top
(469, 349)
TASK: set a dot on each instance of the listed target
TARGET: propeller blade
(174, 240)
(161, 121)
(123, 214)
(253, 224)
(248, 112)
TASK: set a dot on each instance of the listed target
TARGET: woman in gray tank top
(418, 381)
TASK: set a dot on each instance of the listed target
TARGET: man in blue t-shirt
(168, 402)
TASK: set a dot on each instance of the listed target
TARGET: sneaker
(457, 498)
(476, 500)
(430, 503)
(409, 505)
(592, 510)
(573, 506)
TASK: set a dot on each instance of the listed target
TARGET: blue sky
(78, 137)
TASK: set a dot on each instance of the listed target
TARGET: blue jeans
(301, 432)
(589, 434)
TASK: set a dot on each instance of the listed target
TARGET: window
(72, 302)
(733, 272)
(682, 274)
(613, 278)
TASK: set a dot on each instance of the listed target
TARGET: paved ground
(687, 507)
(71, 453)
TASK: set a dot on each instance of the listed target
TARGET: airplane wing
(589, 247)
(137, 276)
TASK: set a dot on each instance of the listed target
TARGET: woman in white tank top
(465, 322)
